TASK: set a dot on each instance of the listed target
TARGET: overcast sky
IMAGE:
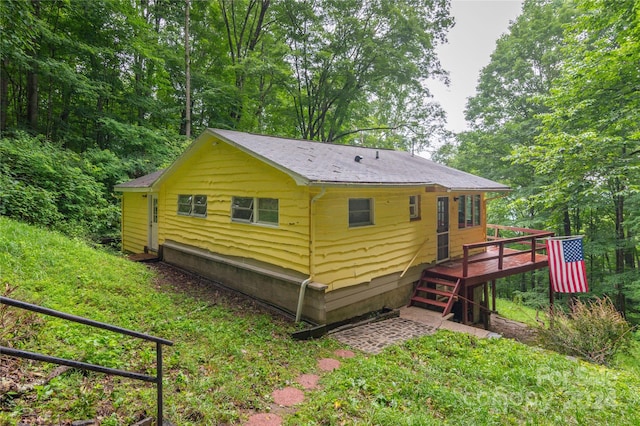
(479, 23)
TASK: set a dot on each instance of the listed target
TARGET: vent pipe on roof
(357, 159)
(377, 155)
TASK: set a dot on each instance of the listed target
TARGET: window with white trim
(255, 210)
(192, 205)
(360, 212)
(414, 207)
(469, 211)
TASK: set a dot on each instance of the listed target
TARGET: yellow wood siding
(221, 172)
(345, 256)
(134, 222)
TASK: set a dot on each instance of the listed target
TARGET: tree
(350, 58)
(590, 140)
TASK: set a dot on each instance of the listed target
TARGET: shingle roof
(317, 163)
(142, 182)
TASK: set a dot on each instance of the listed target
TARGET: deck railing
(157, 379)
(529, 239)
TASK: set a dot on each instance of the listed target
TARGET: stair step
(429, 301)
(439, 281)
(434, 291)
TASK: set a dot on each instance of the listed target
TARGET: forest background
(96, 92)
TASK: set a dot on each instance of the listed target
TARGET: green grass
(518, 312)
(228, 357)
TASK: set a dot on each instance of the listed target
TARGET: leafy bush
(592, 330)
(46, 185)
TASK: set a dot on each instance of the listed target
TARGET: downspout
(312, 236)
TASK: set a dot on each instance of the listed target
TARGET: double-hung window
(414, 207)
(469, 211)
(192, 205)
(360, 212)
(255, 210)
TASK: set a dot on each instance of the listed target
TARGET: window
(192, 205)
(414, 207)
(469, 211)
(360, 212)
(255, 210)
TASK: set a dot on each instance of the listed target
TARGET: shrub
(46, 185)
(592, 330)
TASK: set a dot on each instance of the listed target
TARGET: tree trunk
(566, 220)
(187, 65)
(4, 94)
(32, 99)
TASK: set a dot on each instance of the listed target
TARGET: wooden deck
(486, 266)
(455, 282)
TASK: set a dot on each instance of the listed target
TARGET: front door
(442, 230)
(153, 222)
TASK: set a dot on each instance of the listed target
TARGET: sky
(479, 23)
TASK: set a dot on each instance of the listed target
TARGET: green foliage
(592, 330)
(44, 185)
(229, 356)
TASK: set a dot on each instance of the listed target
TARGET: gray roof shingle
(317, 163)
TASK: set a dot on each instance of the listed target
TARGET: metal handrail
(157, 379)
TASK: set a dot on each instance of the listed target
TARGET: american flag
(567, 271)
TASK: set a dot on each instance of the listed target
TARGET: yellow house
(325, 231)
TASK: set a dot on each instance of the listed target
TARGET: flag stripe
(567, 270)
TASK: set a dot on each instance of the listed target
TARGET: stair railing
(157, 379)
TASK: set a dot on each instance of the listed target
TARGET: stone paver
(288, 396)
(264, 419)
(328, 364)
(308, 381)
(344, 353)
(373, 337)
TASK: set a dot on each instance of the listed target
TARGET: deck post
(533, 249)
(493, 295)
(465, 261)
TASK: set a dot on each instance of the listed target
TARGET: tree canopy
(557, 116)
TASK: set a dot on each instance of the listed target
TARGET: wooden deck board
(488, 270)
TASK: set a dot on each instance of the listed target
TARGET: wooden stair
(437, 292)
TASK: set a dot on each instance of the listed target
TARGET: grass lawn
(230, 354)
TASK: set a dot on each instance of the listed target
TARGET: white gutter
(312, 236)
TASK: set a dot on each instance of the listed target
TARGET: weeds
(592, 330)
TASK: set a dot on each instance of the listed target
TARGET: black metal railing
(157, 379)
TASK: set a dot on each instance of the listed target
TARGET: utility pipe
(312, 235)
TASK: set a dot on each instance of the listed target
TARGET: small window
(199, 205)
(192, 205)
(184, 204)
(414, 207)
(268, 211)
(255, 210)
(242, 209)
(360, 212)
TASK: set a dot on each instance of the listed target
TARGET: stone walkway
(370, 338)
(375, 336)
(413, 322)
(285, 399)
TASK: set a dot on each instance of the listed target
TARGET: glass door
(442, 230)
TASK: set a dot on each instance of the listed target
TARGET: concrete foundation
(281, 287)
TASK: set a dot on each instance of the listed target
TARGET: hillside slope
(230, 354)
